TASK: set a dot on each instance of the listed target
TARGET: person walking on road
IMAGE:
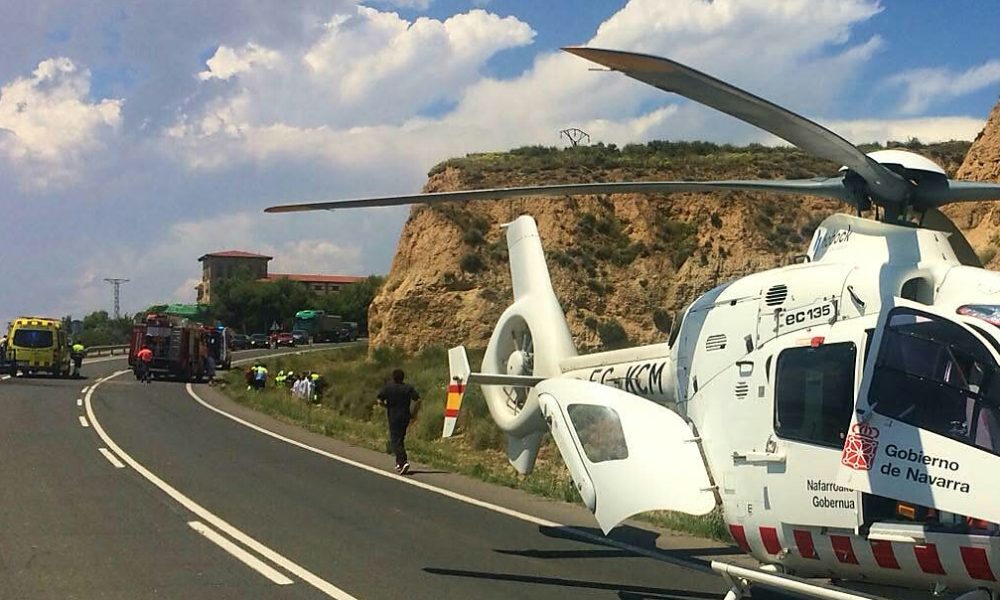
(76, 353)
(145, 357)
(396, 397)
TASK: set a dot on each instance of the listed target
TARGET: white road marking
(112, 458)
(84, 390)
(79, 401)
(83, 421)
(240, 554)
(4, 377)
(579, 533)
(301, 572)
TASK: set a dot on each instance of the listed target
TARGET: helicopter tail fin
(458, 378)
(527, 345)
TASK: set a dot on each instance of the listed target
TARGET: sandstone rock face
(626, 263)
(981, 220)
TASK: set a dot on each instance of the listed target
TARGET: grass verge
(349, 412)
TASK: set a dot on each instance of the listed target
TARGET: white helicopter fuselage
(772, 435)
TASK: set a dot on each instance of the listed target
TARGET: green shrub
(472, 263)
(473, 237)
(662, 320)
(612, 335)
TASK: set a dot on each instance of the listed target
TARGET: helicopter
(842, 412)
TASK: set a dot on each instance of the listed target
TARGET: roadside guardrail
(107, 350)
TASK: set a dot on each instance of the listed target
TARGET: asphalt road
(205, 507)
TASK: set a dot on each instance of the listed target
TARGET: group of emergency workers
(307, 385)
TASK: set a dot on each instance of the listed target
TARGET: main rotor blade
(674, 77)
(950, 190)
(833, 187)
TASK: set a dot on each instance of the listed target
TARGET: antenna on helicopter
(574, 135)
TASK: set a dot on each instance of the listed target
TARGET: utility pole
(117, 283)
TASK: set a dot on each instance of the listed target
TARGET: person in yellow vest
(314, 388)
(260, 377)
(76, 353)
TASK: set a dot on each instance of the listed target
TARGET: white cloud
(49, 128)
(316, 256)
(411, 4)
(928, 130)
(924, 87)
(925, 129)
(228, 62)
(255, 232)
(353, 97)
(369, 77)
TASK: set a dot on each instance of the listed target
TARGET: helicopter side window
(600, 431)
(935, 375)
(814, 393)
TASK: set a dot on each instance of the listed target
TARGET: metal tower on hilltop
(117, 283)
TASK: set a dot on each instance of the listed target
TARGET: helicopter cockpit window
(600, 432)
(814, 393)
(934, 374)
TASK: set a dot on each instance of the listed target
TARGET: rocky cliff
(981, 220)
(623, 266)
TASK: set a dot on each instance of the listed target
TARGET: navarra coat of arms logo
(860, 446)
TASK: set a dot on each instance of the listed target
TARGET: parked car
(283, 339)
(259, 340)
(240, 341)
(346, 332)
(301, 337)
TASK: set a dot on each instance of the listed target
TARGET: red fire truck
(179, 346)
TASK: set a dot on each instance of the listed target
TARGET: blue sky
(151, 134)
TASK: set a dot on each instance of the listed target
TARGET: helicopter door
(627, 455)
(926, 427)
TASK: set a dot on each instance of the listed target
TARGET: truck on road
(179, 346)
(320, 326)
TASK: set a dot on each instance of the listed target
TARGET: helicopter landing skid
(739, 579)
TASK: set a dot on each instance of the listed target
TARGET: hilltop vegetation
(696, 160)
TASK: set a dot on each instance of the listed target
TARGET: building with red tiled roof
(228, 263)
(321, 284)
(234, 254)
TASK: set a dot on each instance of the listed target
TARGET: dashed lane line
(83, 421)
(217, 522)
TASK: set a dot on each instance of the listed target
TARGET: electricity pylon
(117, 283)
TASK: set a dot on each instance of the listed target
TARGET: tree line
(252, 306)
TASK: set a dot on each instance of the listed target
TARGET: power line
(117, 283)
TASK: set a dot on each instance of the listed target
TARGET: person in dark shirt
(396, 397)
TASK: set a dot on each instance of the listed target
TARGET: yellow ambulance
(38, 344)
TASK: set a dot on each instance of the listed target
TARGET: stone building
(222, 265)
